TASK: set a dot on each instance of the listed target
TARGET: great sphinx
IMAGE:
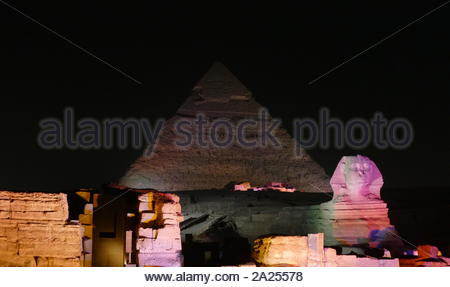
(356, 179)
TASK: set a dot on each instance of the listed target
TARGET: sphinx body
(359, 217)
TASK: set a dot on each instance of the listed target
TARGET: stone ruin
(34, 231)
(175, 168)
(324, 222)
(159, 239)
(308, 251)
(360, 216)
(356, 218)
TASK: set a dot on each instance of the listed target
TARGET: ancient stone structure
(159, 239)
(219, 94)
(354, 222)
(34, 231)
(281, 251)
(359, 213)
(356, 216)
(356, 179)
(308, 251)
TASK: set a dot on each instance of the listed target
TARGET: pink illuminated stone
(159, 238)
(356, 178)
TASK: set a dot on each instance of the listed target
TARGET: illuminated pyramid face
(220, 94)
(220, 85)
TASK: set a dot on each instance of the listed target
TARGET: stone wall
(294, 213)
(159, 238)
(308, 251)
(34, 231)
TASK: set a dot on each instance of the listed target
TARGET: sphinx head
(356, 178)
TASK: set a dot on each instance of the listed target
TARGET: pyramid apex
(220, 94)
(219, 84)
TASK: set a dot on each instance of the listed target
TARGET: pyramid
(219, 94)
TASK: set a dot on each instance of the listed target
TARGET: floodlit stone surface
(344, 222)
(159, 238)
(176, 168)
(281, 251)
(316, 257)
(33, 206)
(34, 232)
(308, 251)
(356, 178)
(358, 214)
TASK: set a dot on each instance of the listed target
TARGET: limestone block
(34, 232)
(17, 261)
(4, 214)
(389, 262)
(63, 250)
(148, 245)
(49, 233)
(147, 232)
(168, 232)
(171, 208)
(35, 205)
(281, 251)
(346, 260)
(5, 204)
(160, 208)
(58, 262)
(8, 247)
(330, 257)
(8, 231)
(172, 216)
(34, 216)
(315, 250)
(174, 259)
(367, 262)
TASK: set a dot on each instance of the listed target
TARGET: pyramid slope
(174, 168)
(220, 94)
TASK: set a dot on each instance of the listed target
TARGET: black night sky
(275, 49)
